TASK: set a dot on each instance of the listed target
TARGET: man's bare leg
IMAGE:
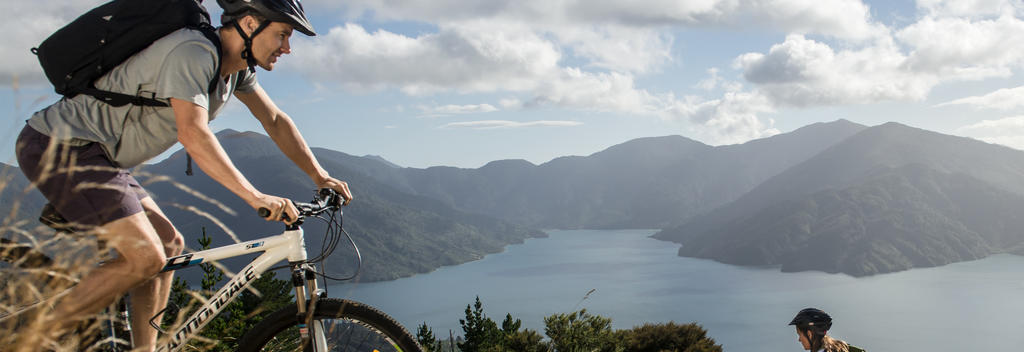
(145, 304)
(151, 297)
(140, 256)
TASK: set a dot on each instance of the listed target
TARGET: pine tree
(425, 336)
(211, 275)
(510, 327)
(481, 332)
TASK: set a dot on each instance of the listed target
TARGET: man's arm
(287, 137)
(194, 134)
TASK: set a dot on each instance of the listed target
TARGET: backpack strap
(120, 99)
(211, 33)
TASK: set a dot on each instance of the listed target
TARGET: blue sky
(461, 83)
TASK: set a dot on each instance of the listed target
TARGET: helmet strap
(247, 55)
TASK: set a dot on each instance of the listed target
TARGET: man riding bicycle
(79, 150)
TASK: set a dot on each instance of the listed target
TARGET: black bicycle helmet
(814, 319)
(287, 11)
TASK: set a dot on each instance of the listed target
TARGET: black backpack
(90, 46)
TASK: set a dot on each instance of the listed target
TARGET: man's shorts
(92, 193)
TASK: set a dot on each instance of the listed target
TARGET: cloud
(496, 124)
(843, 19)
(511, 103)
(602, 92)
(1003, 99)
(864, 62)
(452, 109)
(473, 58)
(847, 19)
(1007, 131)
(616, 47)
(728, 120)
(960, 48)
(630, 37)
(969, 8)
(466, 58)
(733, 118)
(902, 66)
(804, 72)
(714, 81)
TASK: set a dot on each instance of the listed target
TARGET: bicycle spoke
(341, 334)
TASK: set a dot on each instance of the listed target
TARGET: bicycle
(314, 323)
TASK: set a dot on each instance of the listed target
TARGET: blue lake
(972, 306)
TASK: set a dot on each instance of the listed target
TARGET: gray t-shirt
(179, 65)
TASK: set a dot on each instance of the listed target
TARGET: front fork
(312, 331)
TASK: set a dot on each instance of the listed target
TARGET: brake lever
(330, 197)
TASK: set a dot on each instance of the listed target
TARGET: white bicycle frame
(289, 245)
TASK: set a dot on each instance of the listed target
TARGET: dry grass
(29, 294)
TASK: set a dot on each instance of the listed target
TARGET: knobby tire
(348, 325)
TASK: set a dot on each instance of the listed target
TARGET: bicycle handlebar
(324, 200)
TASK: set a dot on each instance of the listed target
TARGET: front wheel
(347, 326)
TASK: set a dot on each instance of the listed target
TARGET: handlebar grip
(264, 213)
(324, 199)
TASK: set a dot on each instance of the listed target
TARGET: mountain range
(889, 198)
(644, 183)
(838, 197)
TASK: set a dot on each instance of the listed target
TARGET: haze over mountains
(836, 197)
(643, 183)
